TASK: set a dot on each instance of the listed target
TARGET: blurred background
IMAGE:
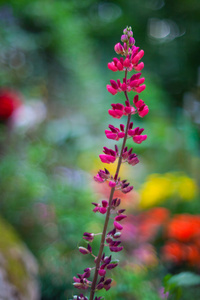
(53, 113)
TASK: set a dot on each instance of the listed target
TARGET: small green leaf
(184, 279)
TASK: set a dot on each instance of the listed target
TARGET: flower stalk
(111, 238)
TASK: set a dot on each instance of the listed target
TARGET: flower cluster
(135, 84)
(103, 264)
(115, 133)
(118, 110)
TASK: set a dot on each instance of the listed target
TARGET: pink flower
(81, 282)
(130, 157)
(101, 208)
(135, 83)
(136, 135)
(102, 176)
(114, 133)
(118, 110)
(142, 108)
(133, 56)
(109, 156)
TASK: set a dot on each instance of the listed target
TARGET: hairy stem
(98, 260)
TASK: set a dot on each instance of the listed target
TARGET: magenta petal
(114, 84)
(104, 203)
(112, 183)
(117, 225)
(121, 135)
(139, 67)
(139, 138)
(76, 279)
(112, 67)
(144, 112)
(107, 158)
(102, 272)
(111, 89)
(115, 113)
(102, 210)
(140, 88)
(120, 217)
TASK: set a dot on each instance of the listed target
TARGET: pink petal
(144, 112)
(112, 183)
(104, 203)
(112, 67)
(120, 217)
(114, 84)
(140, 88)
(139, 67)
(117, 225)
(102, 272)
(124, 87)
(115, 113)
(107, 158)
(111, 89)
(102, 210)
(138, 139)
(121, 135)
(119, 66)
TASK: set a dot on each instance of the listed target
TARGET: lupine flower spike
(97, 278)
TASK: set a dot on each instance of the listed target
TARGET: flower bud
(117, 225)
(118, 48)
(124, 38)
(117, 235)
(120, 217)
(84, 250)
(88, 236)
(102, 272)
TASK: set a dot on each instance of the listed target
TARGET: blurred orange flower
(183, 246)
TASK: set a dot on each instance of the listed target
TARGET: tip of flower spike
(128, 31)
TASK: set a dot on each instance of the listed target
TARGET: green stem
(98, 260)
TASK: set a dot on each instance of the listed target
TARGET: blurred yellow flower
(159, 187)
(155, 190)
(187, 188)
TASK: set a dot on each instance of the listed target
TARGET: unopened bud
(83, 250)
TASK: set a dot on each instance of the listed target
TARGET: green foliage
(181, 285)
(131, 285)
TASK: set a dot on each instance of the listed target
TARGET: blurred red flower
(10, 100)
